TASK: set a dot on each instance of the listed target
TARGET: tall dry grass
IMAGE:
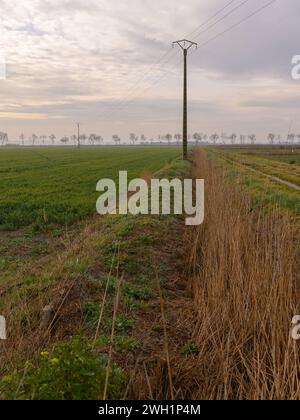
(243, 265)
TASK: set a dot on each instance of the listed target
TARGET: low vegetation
(70, 371)
(79, 280)
(58, 187)
(146, 308)
(263, 189)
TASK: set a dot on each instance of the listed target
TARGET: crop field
(141, 307)
(58, 186)
(272, 175)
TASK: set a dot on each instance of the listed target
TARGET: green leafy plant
(190, 348)
(91, 311)
(121, 343)
(71, 371)
(141, 294)
(123, 324)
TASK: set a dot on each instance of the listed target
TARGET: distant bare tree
(133, 138)
(223, 138)
(92, 138)
(43, 138)
(22, 138)
(168, 137)
(291, 138)
(82, 138)
(34, 138)
(214, 138)
(271, 137)
(202, 137)
(252, 138)
(99, 139)
(233, 138)
(64, 140)
(197, 137)
(143, 138)
(242, 138)
(74, 139)
(3, 138)
(116, 139)
(52, 138)
(177, 137)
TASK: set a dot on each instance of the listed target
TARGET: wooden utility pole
(185, 45)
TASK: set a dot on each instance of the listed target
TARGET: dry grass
(243, 278)
(112, 335)
(60, 280)
(166, 341)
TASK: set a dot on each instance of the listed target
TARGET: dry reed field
(244, 281)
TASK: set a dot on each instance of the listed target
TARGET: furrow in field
(250, 168)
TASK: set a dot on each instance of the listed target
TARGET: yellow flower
(28, 364)
(7, 378)
(44, 354)
(54, 361)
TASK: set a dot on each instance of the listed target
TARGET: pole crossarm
(185, 44)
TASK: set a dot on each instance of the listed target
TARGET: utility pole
(78, 135)
(185, 45)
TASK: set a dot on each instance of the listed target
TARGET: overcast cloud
(92, 61)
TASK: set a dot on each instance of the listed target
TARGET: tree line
(133, 139)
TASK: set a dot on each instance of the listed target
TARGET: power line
(160, 61)
(222, 18)
(223, 32)
(215, 37)
(218, 21)
(145, 74)
(238, 23)
(208, 20)
(202, 45)
(257, 11)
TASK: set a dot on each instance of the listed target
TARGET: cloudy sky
(110, 65)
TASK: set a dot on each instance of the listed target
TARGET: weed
(190, 348)
(71, 371)
(141, 294)
(133, 304)
(91, 311)
(123, 324)
(148, 240)
(121, 343)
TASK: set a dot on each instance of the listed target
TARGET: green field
(281, 163)
(58, 186)
(254, 167)
(287, 155)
